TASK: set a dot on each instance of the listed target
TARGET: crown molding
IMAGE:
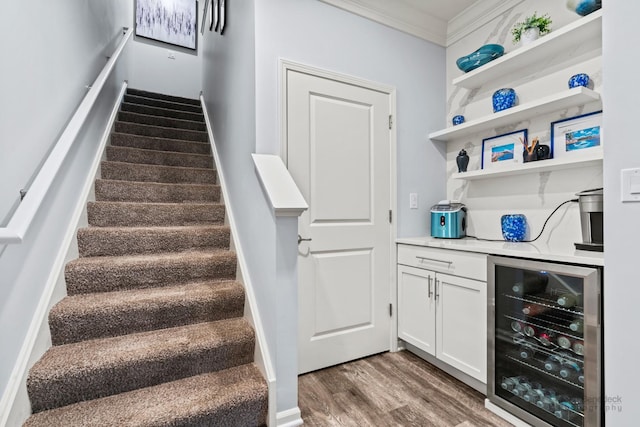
(420, 25)
(476, 16)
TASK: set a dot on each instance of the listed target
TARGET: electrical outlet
(413, 200)
(171, 54)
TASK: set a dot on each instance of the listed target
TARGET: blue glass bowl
(581, 79)
(484, 54)
(514, 227)
(457, 120)
(503, 98)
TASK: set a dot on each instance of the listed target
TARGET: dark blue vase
(462, 160)
(584, 7)
(581, 79)
(514, 227)
(457, 120)
(503, 99)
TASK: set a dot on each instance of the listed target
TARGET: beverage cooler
(545, 341)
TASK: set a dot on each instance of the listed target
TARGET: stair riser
(129, 191)
(160, 132)
(160, 158)
(163, 97)
(111, 277)
(162, 112)
(125, 116)
(108, 381)
(93, 241)
(159, 144)
(152, 173)
(162, 104)
(104, 214)
(69, 327)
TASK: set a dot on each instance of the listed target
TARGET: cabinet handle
(423, 259)
(437, 294)
(429, 282)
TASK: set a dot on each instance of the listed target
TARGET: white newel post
(287, 205)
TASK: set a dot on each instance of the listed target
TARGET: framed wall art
(503, 151)
(205, 12)
(223, 15)
(576, 136)
(173, 22)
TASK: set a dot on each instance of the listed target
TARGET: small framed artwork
(223, 15)
(169, 21)
(503, 151)
(577, 135)
(215, 15)
(205, 11)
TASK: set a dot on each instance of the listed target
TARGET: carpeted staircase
(151, 332)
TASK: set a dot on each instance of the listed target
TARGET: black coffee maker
(591, 220)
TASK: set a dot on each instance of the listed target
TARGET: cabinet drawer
(458, 263)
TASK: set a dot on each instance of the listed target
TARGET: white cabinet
(443, 314)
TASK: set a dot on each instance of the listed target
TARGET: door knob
(300, 239)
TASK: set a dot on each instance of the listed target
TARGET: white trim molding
(289, 418)
(476, 16)
(392, 14)
(278, 185)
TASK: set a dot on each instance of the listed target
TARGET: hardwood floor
(390, 389)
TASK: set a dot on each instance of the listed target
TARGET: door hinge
(390, 216)
(390, 310)
(390, 121)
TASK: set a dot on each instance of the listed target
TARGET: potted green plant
(531, 28)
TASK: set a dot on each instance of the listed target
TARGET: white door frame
(285, 67)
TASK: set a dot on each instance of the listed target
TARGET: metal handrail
(21, 219)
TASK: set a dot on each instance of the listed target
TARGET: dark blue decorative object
(503, 99)
(486, 53)
(462, 160)
(584, 7)
(581, 79)
(514, 227)
(458, 120)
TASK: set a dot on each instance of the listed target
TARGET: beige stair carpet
(152, 330)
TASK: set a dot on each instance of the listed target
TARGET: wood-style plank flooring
(390, 389)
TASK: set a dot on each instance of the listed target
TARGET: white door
(462, 324)
(338, 153)
(417, 308)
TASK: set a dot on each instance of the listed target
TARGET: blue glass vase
(514, 227)
(483, 55)
(581, 79)
(584, 7)
(503, 98)
(457, 120)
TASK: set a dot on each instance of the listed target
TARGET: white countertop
(536, 250)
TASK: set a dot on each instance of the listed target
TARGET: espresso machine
(591, 220)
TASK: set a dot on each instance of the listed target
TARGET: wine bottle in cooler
(529, 331)
(533, 309)
(553, 363)
(569, 369)
(532, 283)
(565, 342)
(577, 325)
(547, 338)
(578, 347)
(527, 350)
(568, 300)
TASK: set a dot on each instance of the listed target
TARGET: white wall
(536, 194)
(320, 35)
(621, 291)
(42, 84)
(153, 70)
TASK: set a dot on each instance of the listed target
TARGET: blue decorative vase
(581, 79)
(457, 120)
(484, 54)
(584, 7)
(514, 227)
(503, 99)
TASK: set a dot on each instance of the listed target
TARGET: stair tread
(152, 116)
(202, 132)
(108, 314)
(159, 138)
(163, 152)
(142, 100)
(157, 167)
(165, 97)
(192, 401)
(165, 110)
(145, 259)
(203, 228)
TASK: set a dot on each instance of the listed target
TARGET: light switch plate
(413, 200)
(630, 185)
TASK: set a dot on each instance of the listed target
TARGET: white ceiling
(438, 21)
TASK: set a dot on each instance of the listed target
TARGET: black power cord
(541, 231)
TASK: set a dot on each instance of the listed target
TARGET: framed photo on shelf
(503, 151)
(169, 21)
(576, 136)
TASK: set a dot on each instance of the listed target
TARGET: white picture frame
(503, 151)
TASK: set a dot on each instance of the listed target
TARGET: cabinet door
(416, 308)
(462, 324)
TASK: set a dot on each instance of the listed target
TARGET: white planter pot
(529, 35)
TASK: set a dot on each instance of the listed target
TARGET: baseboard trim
(262, 354)
(517, 422)
(289, 418)
(15, 407)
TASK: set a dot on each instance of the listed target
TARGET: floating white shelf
(565, 99)
(593, 159)
(585, 32)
